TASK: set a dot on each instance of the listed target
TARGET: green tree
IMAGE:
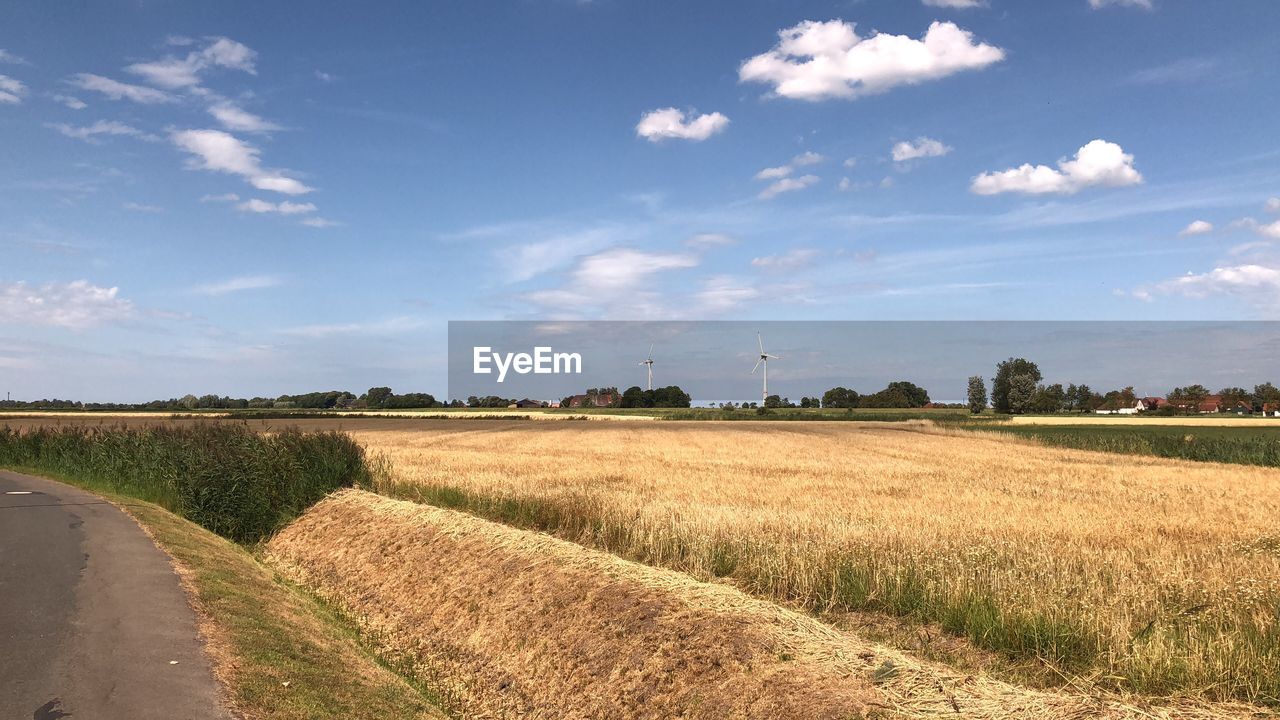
(1002, 383)
(840, 397)
(773, 401)
(916, 395)
(377, 396)
(1022, 390)
(977, 394)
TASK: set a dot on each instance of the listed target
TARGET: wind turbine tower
(764, 360)
(649, 362)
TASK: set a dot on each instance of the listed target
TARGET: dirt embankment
(510, 623)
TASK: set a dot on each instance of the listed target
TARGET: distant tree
(190, 402)
(1002, 383)
(887, 398)
(376, 397)
(1048, 399)
(1265, 394)
(916, 395)
(1189, 398)
(1232, 396)
(1020, 392)
(840, 397)
(773, 401)
(474, 402)
(977, 394)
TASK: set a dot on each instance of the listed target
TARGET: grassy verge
(281, 653)
(1239, 445)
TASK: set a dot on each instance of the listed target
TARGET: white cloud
(1259, 283)
(625, 268)
(225, 197)
(70, 101)
(324, 77)
(1198, 227)
(1273, 204)
(724, 293)
(75, 305)
(176, 73)
(90, 133)
(1097, 163)
(282, 208)
(786, 185)
(709, 240)
(222, 152)
(659, 125)
(1271, 230)
(958, 4)
(117, 90)
(9, 58)
(11, 91)
(234, 117)
(138, 207)
(390, 326)
(790, 260)
(823, 60)
(850, 162)
(236, 284)
(923, 147)
(319, 222)
(802, 160)
(1096, 4)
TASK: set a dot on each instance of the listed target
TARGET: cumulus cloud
(1199, 227)
(790, 260)
(1099, 163)
(175, 73)
(1258, 283)
(282, 208)
(1273, 204)
(11, 91)
(75, 305)
(923, 147)
(659, 125)
(218, 151)
(788, 184)
(90, 133)
(1096, 4)
(822, 60)
(116, 90)
(237, 284)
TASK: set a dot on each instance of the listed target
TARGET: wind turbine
(649, 362)
(764, 360)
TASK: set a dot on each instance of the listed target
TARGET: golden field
(508, 623)
(1121, 573)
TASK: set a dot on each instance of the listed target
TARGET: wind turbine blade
(775, 357)
(760, 340)
(650, 355)
(757, 367)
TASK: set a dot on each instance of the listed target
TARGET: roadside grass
(241, 484)
(281, 653)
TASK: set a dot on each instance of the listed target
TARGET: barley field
(1118, 573)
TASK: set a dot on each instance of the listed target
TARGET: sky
(264, 198)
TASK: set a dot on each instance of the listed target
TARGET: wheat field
(1120, 573)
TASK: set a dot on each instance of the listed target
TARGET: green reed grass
(241, 484)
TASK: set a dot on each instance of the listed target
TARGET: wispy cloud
(285, 207)
(788, 184)
(176, 73)
(91, 133)
(139, 207)
(69, 101)
(219, 151)
(238, 284)
(117, 90)
(8, 58)
(922, 147)
(1198, 227)
(11, 91)
(790, 260)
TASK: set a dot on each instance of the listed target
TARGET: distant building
(1211, 404)
(1149, 404)
(1271, 410)
(1118, 411)
(527, 403)
(599, 400)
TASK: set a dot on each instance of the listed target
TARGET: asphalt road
(93, 622)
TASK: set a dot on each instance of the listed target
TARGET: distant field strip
(1225, 421)
(517, 624)
(1124, 572)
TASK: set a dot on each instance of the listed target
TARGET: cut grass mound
(519, 624)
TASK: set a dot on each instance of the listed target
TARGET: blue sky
(246, 198)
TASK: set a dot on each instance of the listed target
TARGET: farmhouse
(1148, 404)
(527, 403)
(596, 400)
